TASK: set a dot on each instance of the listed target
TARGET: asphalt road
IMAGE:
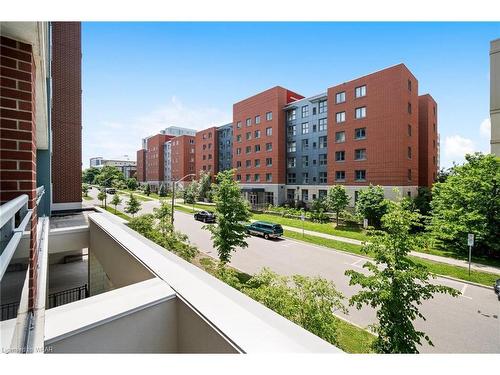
(469, 323)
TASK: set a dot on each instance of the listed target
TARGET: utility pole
(470, 242)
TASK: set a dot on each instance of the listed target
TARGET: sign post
(303, 218)
(470, 242)
(365, 223)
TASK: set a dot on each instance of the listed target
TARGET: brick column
(18, 136)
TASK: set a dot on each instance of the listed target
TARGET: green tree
(162, 191)
(422, 202)
(102, 196)
(191, 192)
(116, 201)
(337, 200)
(133, 206)
(395, 285)
(232, 213)
(89, 175)
(318, 211)
(164, 214)
(147, 189)
(131, 183)
(468, 202)
(205, 185)
(85, 189)
(307, 301)
(107, 175)
(372, 205)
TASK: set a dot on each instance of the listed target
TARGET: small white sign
(302, 217)
(365, 223)
(470, 239)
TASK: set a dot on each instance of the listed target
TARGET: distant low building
(127, 167)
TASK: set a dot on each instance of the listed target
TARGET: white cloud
(485, 128)
(455, 148)
(114, 139)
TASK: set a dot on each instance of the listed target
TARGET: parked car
(111, 191)
(265, 229)
(205, 216)
(496, 287)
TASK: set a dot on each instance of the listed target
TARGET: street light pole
(173, 194)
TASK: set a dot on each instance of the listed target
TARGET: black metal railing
(9, 310)
(68, 296)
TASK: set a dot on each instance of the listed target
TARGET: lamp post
(173, 194)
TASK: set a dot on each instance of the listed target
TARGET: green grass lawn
(87, 198)
(184, 209)
(126, 194)
(327, 228)
(483, 278)
(117, 213)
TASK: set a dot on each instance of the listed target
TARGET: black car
(497, 288)
(205, 216)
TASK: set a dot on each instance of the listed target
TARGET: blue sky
(141, 77)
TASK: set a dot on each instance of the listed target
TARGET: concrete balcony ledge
(248, 326)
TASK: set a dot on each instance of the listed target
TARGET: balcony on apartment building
(106, 289)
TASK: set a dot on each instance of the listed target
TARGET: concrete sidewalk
(434, 258)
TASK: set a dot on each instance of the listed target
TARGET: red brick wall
(272, 100)
(18, 136)
(155, 157)
(428, 140)
(183, 156)
(207, 151)
(66, 112)
(141, 165)
(387, 119)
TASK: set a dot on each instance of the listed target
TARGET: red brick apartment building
(183, 157)
(155, 158)
(259, 141)
(207, 155)
(428, 139)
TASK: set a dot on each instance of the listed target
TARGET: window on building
(292, 114)
(409, 107)
(292, 146)
(339, 137)
(269, 162)
(269, 116)
(238, 151)
(209, 156)
(248, 163)
(322, 159)
(409, 85)
(291, 178)
(305, 111)
(269, 131)
(409, 130)
(248, 149)
(339, 155)
(339, 175)
(360, 175)
(257, 119)
(238, 164)
(305, 144)
(360, 112)
(292, 130)
(314, 146)
(305, 178)
(247, 178)
(238, 177)
(257, 163)
(257, 134)
(257, 148)
(360, 154)
(249, 122)
(322, 193)
(360, 133)
(323, 106)
(314, 128)
(434, 126)
(340, 97)
(238, 125)
(238, 138)
(256, 177)
(409, 152)
(269, 177)
(204, 147)
(340, 117)
(434, 160)
(314, 111)
(323, 177)
(248, 136)
(322, 124)
(292, 162)
(305, 127)
(360, 91)
(305, 161)
(323, 142)
(305, 195)
(269, 146)
(409, 174)
(209, 146)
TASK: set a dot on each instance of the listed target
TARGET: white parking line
(462, 292)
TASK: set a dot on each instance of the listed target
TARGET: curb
(463, 281)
